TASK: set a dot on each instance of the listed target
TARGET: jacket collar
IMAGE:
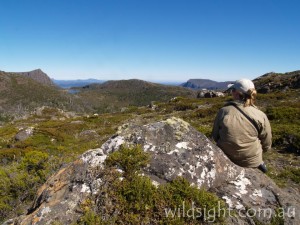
(237, 103)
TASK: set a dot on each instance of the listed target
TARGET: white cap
(242, 85)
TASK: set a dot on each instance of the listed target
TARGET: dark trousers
(262, 167)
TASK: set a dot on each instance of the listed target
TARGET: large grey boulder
(24, 134)
(177, 149)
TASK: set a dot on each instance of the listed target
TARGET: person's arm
(266, 135)
(216, 127)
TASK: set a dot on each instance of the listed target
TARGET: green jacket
(238, 137)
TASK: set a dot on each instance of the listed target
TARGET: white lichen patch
(95, 185)
(241, 183)
(200, 182)
(85, 189)
(113, 143)
(149, 147)
(228, 201)
(211, 176)
(72, 204)
(203, 157)
(203, 174)
(173, 151)
(192, 171)
(257, 193)
(231, 171)
(120, 171)
(181, 172)
(29, 130)
(94, 157)
(239, 206)
(43, 212)
(233, 204)
(155, 183)
(170, 173)
(199, 164)
(122, 128)
(207, 176)
(183, 145)
(209, 146)
(178, 123)
(208, 156)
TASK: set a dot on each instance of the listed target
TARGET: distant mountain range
(23, 92)
(113, 95)
(84, 82)
(198, 84)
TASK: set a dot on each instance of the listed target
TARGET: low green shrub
(128, 159)
(138, 201)
(183, 106)
(286, 136)
(290, 173)
(9, 155)
(5, 118)
(283, 113)
(19, 181)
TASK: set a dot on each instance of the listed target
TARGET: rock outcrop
(176, 149)
(210, 94)
(271, 82)
(23, 134)
(38, 75)
(206, 84)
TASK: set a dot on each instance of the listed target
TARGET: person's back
(243, 139)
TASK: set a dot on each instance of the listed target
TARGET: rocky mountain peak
(38, 75)
(205, 84)
(272, 81)
(176, 149)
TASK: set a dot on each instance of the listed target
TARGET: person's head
(244, 90)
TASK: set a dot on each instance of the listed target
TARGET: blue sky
(172, 40)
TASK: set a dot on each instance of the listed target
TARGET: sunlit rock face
(176, 149)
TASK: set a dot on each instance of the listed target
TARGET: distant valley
(114, 95)
(75, 83)
(23, 92)
(84, 82)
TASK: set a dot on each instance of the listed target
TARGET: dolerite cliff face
(206, 84)
(177, 149)
(271, 82)
(38, 75)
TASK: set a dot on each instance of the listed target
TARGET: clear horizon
(150, 40)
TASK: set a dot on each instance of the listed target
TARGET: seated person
(241, 130)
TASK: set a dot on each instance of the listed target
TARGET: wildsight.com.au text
(189, 210)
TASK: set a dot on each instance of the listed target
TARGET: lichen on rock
(176, 150)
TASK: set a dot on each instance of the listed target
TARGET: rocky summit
(176, 149)
(38, 75)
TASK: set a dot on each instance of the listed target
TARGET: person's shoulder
(231, 104)
(259, 112)
(226, 109)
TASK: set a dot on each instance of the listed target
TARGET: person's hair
(249, 97)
